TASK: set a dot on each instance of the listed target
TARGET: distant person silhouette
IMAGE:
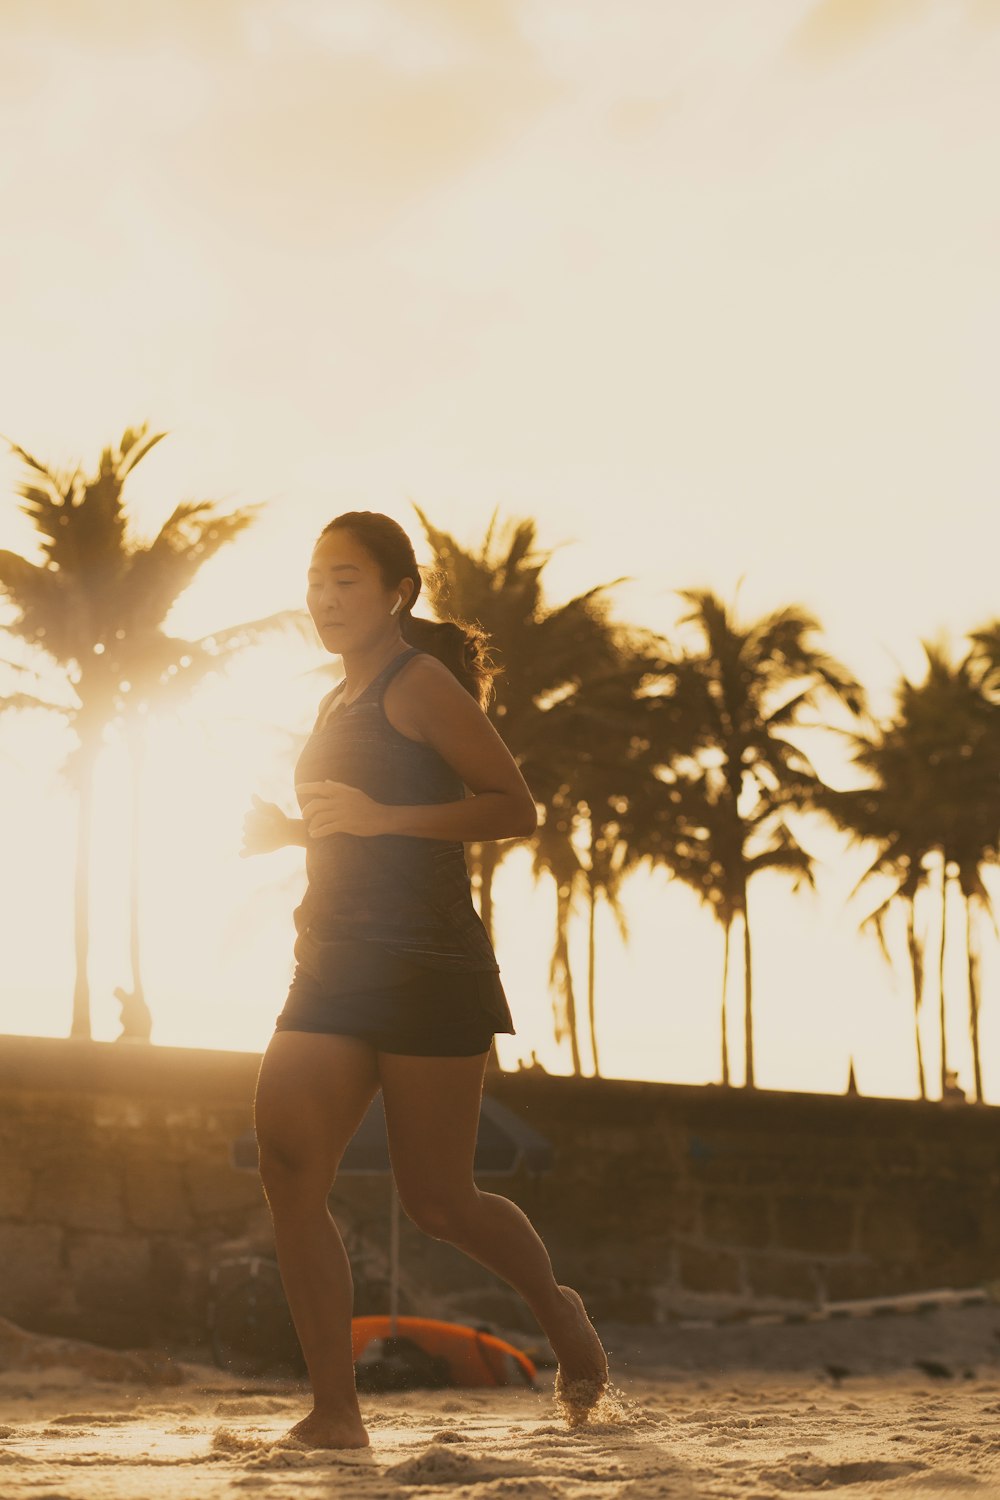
(136, 1017)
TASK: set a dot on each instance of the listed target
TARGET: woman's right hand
(265, 827)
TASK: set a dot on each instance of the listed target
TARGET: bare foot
(582, 1375)
(319, 1431)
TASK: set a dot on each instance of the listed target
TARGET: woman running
(396, 984)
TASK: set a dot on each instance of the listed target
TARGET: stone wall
(718, 1198)
(116, 1187)
(117, 1195)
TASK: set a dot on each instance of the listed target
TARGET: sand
(874, 1407)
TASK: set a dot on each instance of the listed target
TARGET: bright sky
(709, 290)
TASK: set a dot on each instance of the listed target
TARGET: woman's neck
(362, 667)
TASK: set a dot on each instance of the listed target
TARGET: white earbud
(396, 605)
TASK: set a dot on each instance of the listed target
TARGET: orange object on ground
(474, 1358)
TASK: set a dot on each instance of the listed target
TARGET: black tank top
(411, 896)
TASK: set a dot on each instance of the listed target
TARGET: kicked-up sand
(873, 1407)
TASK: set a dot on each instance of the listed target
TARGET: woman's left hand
(335, 807)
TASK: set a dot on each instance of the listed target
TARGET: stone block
(31, 1256)
(216, 1190)
(949, 1214)
(178, 1289)
(715, 1158)
(892, 1159)
(814, 1221)
(635, 1305)
(886, 1228)
(844, 1280)
(79, 1190)
(934, 1221)
(737, 1218)
(681, 1207)
(156, 1196)
(851, 1280)
(747, 1164)
(785, 1277)
(652, 1209)
(33, 1131)
(838, 1176)
(15, 1187)
(111, 1274)
(648, 1257)
(701, 1269)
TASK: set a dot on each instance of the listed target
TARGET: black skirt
(360, 989)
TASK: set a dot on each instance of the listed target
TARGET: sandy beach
(876, 1406)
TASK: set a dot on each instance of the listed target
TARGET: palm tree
(95, 609)
(601, 733)
(547, 654)
(553, 854)
(746, 686)
(882, 814)
(933, 801)
(986, 657)
(953, 720)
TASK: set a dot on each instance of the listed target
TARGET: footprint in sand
(440, 1465)
(825, 1476)
(266, 1453)
(250, 1406)
(92, 1418)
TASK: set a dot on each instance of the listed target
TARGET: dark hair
(462, 645)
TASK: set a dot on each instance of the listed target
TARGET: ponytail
(462, 645)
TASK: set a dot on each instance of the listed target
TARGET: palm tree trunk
(917, 969)
(591, 1016)
(138, 748)
(80, 1024)
(562, 974)
(725, 1022)
(748, 997)
(941, 1014)
(972, 949)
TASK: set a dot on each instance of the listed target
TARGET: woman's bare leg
(432, 1112)
(313, 1090)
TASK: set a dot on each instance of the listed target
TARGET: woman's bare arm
(436, 709)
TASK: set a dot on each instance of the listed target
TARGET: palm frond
(158, 574)
(134, 446)
(876, 921)
(11, 702)
(237, 637)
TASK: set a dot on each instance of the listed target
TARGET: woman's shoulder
(426, 702)
(424, 680)
(423, 667)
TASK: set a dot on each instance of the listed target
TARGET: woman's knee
(309, 1100)
(296, 1192)
(294, 1153)
(441, 1214)
(286, 1164)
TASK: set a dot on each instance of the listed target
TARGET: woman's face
(346, 597)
